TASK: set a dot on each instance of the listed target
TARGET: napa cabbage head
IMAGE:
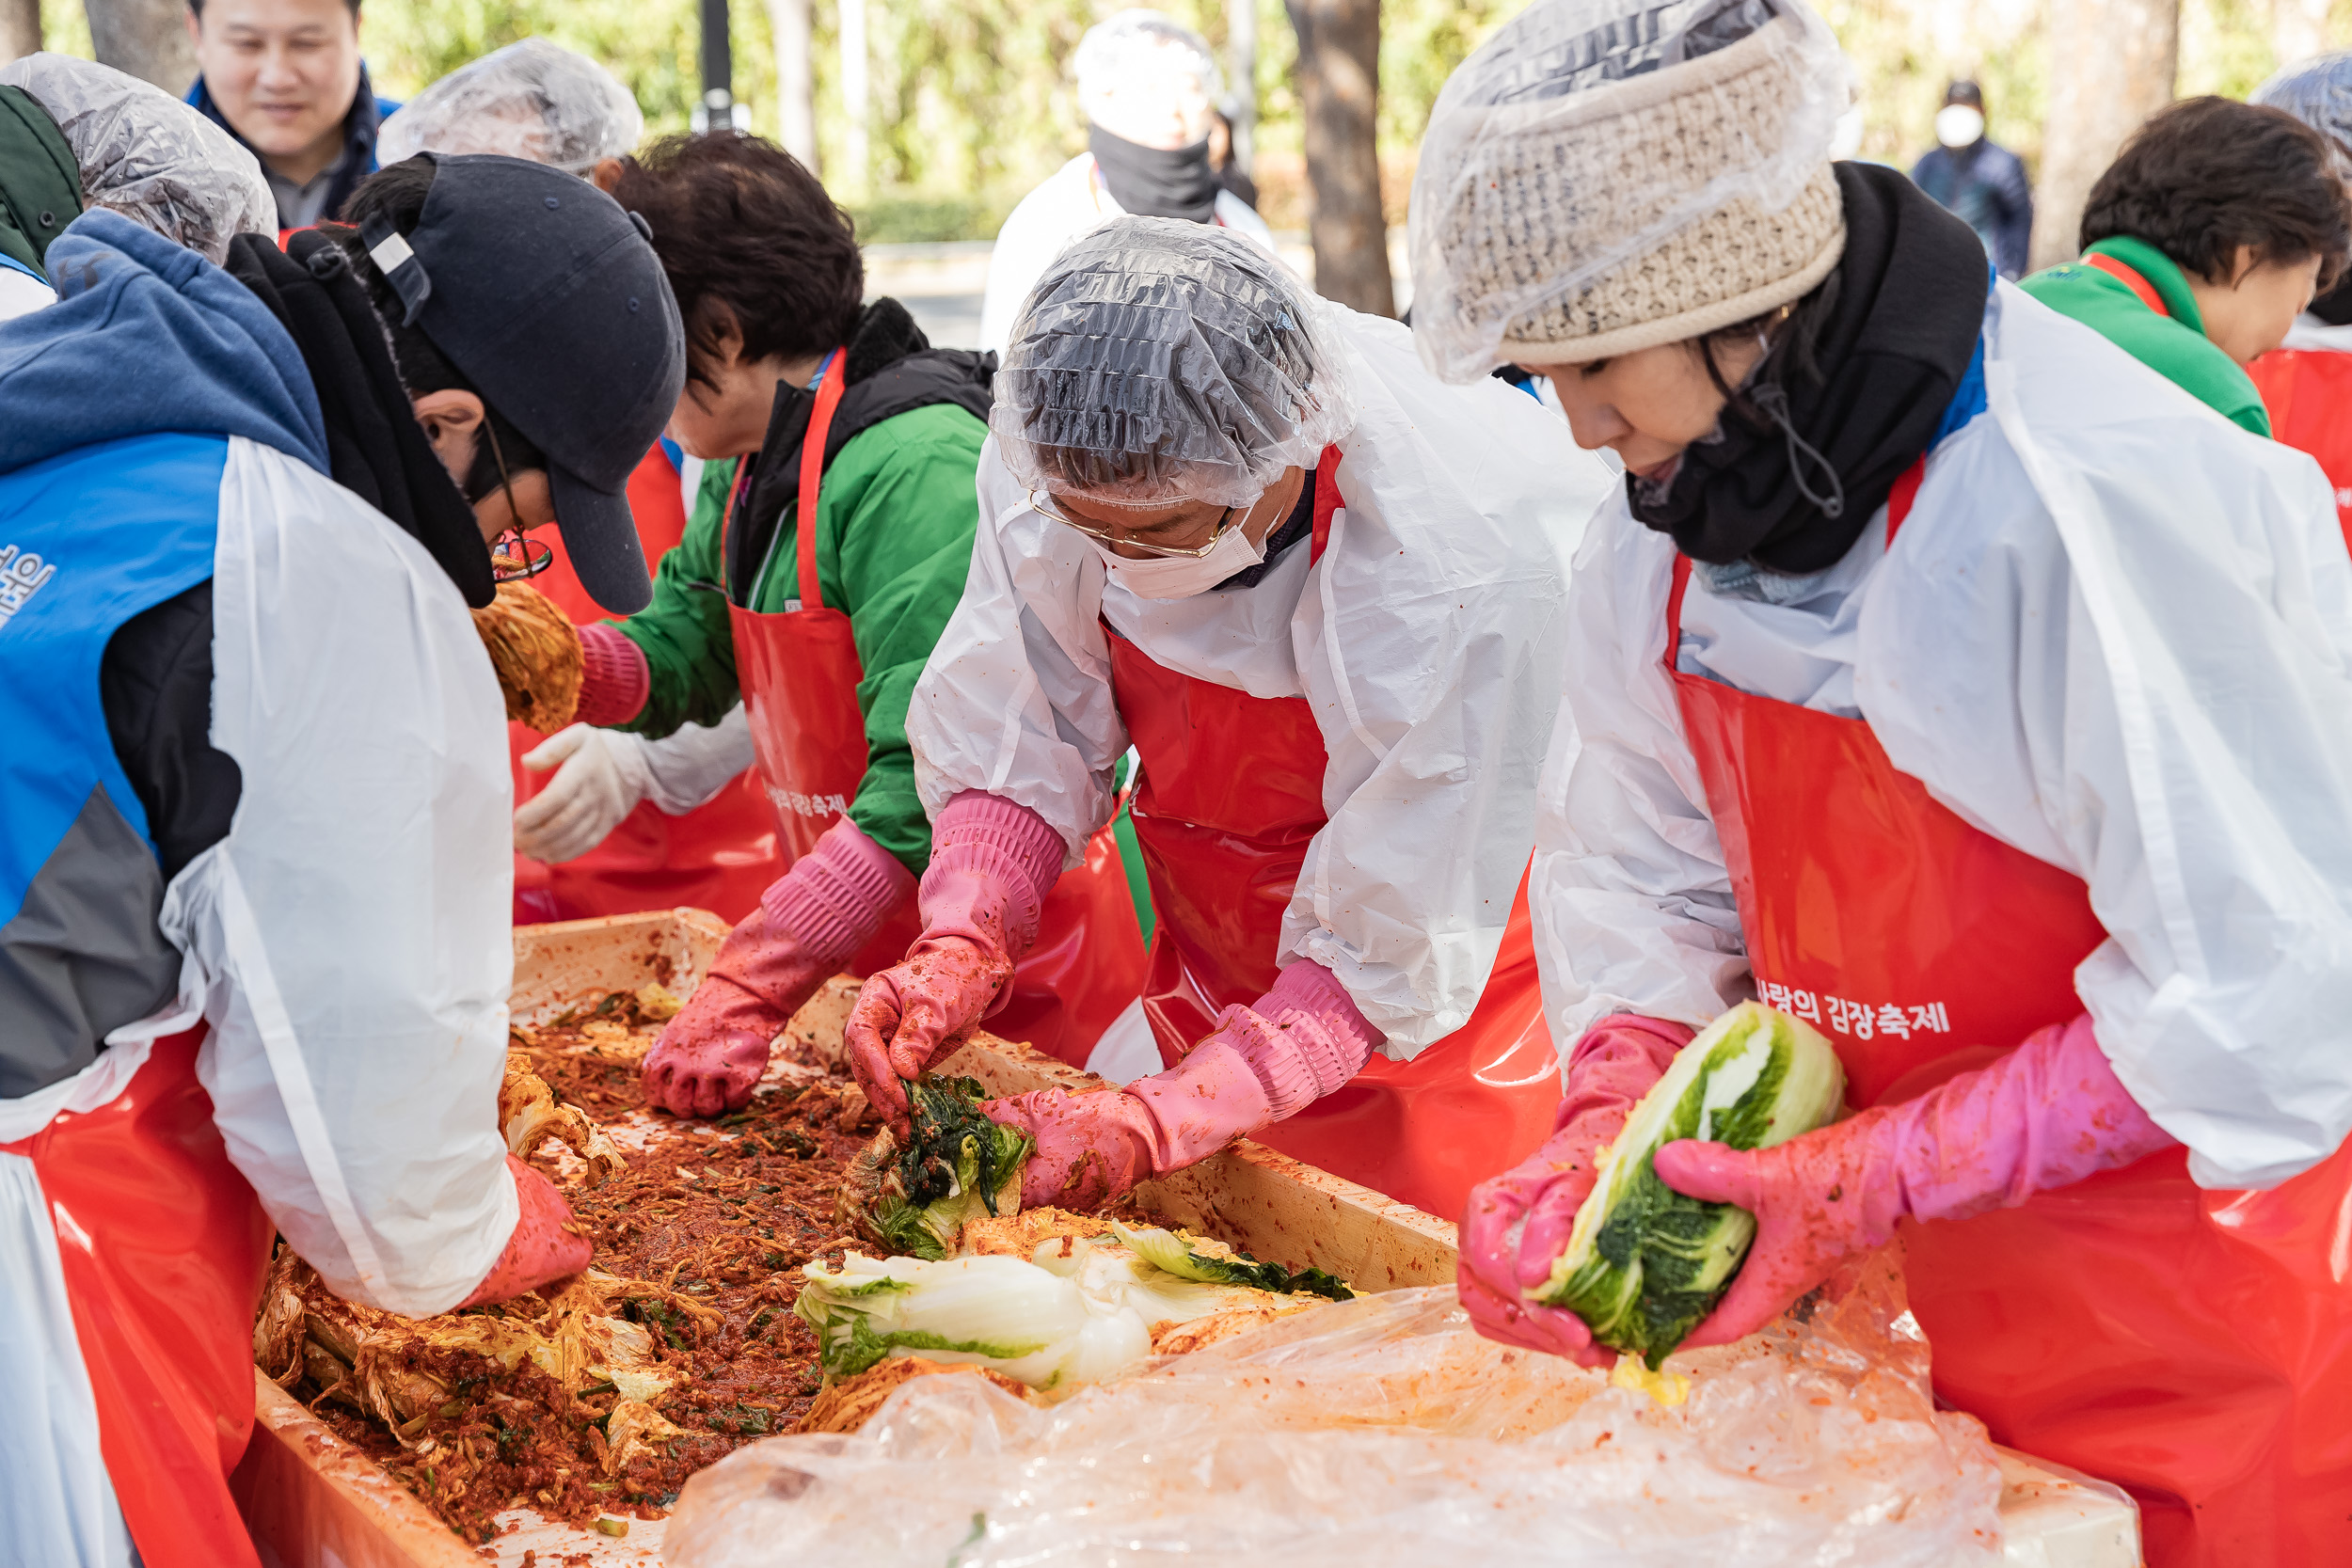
(913, 1199)
(995, 1311)
(1644, 1263)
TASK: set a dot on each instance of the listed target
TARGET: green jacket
(895, 520)
(2174, 346)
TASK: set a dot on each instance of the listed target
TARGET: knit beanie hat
(1607, 175)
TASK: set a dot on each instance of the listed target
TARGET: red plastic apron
(721, 856)
(1231, 792)
(163, 1245)
(799, 670)
(2308, 393)
(2193, 1346)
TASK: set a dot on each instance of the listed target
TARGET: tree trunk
(2298, 29)
(796, 112)
(1241, 60)
(2122, 57)
(856, 100)
(20, 28)
(1339, 87)
(147, 37)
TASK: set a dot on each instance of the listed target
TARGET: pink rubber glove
(1519, 1222)
(614, 679)
(810, 922)
(1302, 1040)
(993, 863)
(2046, 1116)
(547, 1244)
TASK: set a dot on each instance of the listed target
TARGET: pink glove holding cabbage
(1519, 1220)
(1301, 1040)
(993, 863)
(2047, 1114)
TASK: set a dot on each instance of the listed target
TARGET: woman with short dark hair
(813, 591)
(2203, 242)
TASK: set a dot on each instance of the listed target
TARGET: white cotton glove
(602, 776)
(687, 769)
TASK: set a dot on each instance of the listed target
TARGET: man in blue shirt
(285, 78)
(1983, 183)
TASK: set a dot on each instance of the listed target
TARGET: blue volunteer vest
(88, 541)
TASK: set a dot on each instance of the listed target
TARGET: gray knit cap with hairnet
(148, 156)
(1603, 176)
(1159, 361)
(529, 100)
(2318, 92)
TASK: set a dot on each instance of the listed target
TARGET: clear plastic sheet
(1586, 134)
(530, 100)
(148, 156)
(1159, 361)
(1383, 1432)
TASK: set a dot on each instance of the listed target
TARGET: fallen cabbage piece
(1079, 1311)
(958, 1165)
(1028, 1323)
(631, 1430)
(1644, 1263)
(529, 1113)
(1203, 1258)
(369, 1359)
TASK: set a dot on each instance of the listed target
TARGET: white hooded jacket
(1428, 637)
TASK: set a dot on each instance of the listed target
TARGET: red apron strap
(2130, 277)
(1327, 502)
(1906, 491)
(1673, 610)
(812, 474)
(1898, 503)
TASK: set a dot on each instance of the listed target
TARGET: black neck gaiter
(1156, 182)
(375, 447)
(2335, 305)
(1799, 462)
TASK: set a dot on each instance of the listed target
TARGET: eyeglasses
(516, 556)
(1052, 508)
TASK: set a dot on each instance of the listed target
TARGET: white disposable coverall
(348, 944)
(1071, 202)
(2116, 633)
(1429, 639)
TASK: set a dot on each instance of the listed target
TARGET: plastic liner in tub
(1384, 1431)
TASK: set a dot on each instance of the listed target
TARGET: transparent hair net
(2318, 92)
(148, 156)
(529, 100)
(1159, 361)
(1137, 45)
(1569, 146)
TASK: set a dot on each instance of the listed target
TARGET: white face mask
(1958, 125)
(1181, 577)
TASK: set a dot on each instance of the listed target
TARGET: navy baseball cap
(549, 299)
